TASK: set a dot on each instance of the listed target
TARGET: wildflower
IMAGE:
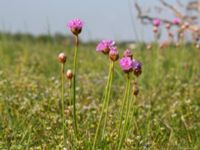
(62, 58)
(105, 46)
(75, 26)
(126, 64)
(176, 21)
(137, 67)
(114, 54)
(128, 53)
(156, 22)
(69, 74)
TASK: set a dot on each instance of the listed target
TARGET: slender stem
(126, 114)
(108, 96)
(123, 107)
(62, 96)
(103, 108)
(74, 85)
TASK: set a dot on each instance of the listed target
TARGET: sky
(103, 19)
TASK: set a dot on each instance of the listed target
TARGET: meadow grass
(166, 111)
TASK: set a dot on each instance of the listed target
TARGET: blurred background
(105, 19)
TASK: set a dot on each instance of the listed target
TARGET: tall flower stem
(128, 117)
(74, 84)
(108, 97)
(124, 105)
(103, 107)
(62, 98)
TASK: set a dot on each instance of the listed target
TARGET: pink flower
(75, 26)
(105, 46)
(176, 21)
(126, 64)
(156, 22)
(128, 53)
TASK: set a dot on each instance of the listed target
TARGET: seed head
(62, 58)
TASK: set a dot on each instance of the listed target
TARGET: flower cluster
(108, 47)
(128, 64)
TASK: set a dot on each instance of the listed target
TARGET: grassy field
(166, 112)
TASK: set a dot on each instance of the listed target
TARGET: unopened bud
(69, 74)
(114, 55)
(155, 29)
(62, 58)
(168, 26)
(128, 53)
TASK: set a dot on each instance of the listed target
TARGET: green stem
(62, 98)
(123, 106)
(74, 85)
(122, 137)
(103, 108)
(108, 96)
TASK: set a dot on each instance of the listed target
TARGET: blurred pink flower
(176, 21)
(105, 46)
(156, 22)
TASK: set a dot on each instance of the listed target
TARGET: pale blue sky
(110, 19)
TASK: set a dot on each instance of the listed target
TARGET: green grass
(166, 112)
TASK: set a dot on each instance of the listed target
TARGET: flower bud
(170, 34)
(137, 68)
(69, 74)
(114, 55)
(62, 58)
(155, 29)
(168, 26)
(128, 53)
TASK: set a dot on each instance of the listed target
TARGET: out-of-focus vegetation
(166, 111)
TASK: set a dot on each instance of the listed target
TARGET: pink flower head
(156, 22)
(126, 64)
(137, 67)
(176, 21)
(105, 46)
(114, 54)
(75, 26)
(128, 53)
